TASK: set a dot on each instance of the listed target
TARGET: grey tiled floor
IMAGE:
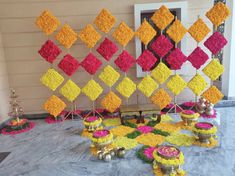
(58, 150)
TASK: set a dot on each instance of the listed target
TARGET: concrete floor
(58, 150)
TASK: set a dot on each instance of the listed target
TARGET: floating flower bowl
(204, 131)
(168, 158)
(189, 117)
(91, 123)
(102, 138)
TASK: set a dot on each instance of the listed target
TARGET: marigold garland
(125, 142)
(213, 95)
(214, 69)
(54, 105)
(52, 79)
(105, 21)
(176, 31)
(162, 17)
(89, 36)
(145, 32)
(180, 139)
(70, 90)
(47, 22)
(176, 84)
(167, 127)
(150, 139)
(161, 98)
(92, 89)
(161, 73)
(123, 34)
(147, 86)
(197, 84)
(199, 30)
(111, 102)
(126, 87)
(121, 130)
(109, 76)
(218, 13)
(66, 36)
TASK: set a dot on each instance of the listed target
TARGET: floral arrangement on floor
(177, 160)
(101, 136)
(125, 142)
(17, 126)
(145, 153)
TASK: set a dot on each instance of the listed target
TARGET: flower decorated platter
(102, 138)
(204, 131)
(189, 116)
(168, 158)
(92, 123)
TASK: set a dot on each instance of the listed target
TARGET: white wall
(228, 79)
(22, 39)
(4, 86)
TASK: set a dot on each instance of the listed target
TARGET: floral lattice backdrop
(120, 86)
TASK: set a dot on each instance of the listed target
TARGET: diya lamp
(168, 158)
(92, 123)
(204, 131)
(201, 105)
(189, 116)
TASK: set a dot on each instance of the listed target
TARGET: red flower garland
(91, 64)
(215, 43)
(69, 64)
(176, 59)
(49, 51)
(107, 49)
(146, 60)
(161, 46)
(124, 61)
(198, 58)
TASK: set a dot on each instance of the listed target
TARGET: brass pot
(189, 121)
(204, 138)
(167, 169)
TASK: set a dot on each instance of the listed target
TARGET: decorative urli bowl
(168, 158)
(102, 138)
(91, 123)
(189, 117)
(204, 131)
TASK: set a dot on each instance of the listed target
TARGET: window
(145, 11)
